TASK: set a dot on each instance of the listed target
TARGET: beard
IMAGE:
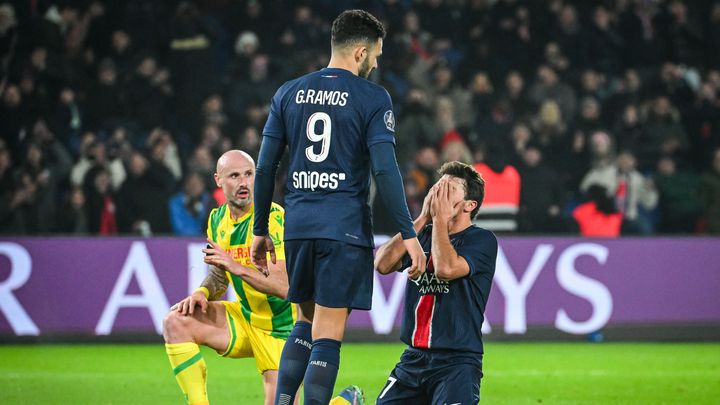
(240, 203)
(365, 69)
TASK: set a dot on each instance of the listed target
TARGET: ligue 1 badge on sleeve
(390, 120)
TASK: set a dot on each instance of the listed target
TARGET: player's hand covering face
(427, 202)
(448, 198)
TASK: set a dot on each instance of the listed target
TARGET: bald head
(236, 176)
(231, 158)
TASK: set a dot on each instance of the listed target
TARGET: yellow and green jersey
(266, 312)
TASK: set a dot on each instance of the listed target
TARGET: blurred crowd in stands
(593, 117)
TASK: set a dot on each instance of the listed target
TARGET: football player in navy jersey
(339, 128)
(443, 309)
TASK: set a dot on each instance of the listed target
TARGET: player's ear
(360, 53)
(470, 206)
(217, 180)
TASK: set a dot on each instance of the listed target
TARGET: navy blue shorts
(433, 377)
(334, 274)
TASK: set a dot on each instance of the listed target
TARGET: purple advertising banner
(118, 285)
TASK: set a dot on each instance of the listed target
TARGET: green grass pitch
(515, 373)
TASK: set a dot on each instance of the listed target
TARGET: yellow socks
(190, 371)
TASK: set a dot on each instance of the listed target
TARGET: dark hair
(474, 183)
(353, 26)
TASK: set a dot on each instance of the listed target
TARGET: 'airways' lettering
(429, 283)
(321, 97)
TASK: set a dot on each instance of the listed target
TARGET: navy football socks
(322, 371)
(294, 361)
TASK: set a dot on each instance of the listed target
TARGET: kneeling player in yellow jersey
(255, 326)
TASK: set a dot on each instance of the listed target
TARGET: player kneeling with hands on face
(443, 308)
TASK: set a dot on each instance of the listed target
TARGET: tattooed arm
(212, 288)
(215, 284)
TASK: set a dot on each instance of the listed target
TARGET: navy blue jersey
(448, 315)
(329, 119)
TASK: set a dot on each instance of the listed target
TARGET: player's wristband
(203, 290)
